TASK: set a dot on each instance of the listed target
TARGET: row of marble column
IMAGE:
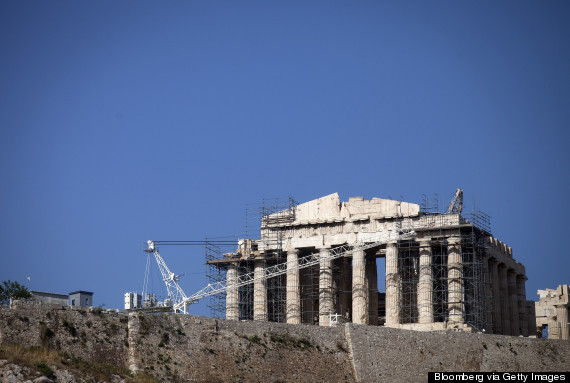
(364, 282)
(455, 287)
(509, 311)
(509, 314)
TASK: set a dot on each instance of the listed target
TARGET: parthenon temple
(451, 274)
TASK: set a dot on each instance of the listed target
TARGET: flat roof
(81, 292)
(46, 293)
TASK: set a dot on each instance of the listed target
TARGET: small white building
(133, 301)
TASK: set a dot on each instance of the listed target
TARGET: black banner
(481, 377)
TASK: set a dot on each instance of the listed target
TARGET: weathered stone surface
(94, 336)
(552, 310)
(63, 376)
(393, 355)
(221, 350)
(201, 349)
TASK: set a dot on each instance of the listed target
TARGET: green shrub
(70, 328)
(45, 333)
(44, 369)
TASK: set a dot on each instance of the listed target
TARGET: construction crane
(175, 292)
(181, 302)
(456, 204)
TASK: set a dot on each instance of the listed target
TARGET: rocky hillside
(97, 346)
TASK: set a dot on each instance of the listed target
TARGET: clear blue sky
(135, 120)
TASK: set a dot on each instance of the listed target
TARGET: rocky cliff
(176, 347)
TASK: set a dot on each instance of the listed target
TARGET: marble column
(393, 295)
(325, 288)
(495, 280)
(259, 291)
(523, 311)
(359, 289)
(456, 307)
(513, 302)
(372, 279)
(232, 296)
(505, 305)
(488, 295)
(425, 283)
(293, 303)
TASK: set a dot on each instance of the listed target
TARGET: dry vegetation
(42, 359)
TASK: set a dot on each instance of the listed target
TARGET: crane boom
(181, 301)
(282, 268)
(456, 204)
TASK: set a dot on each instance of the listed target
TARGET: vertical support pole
(259, 291)
(393, 295)
(523, 310)
(425, 288)
(293, 304)
(372, 279)
(456, 307)
(496, 288)
(325, 288)
(359, 289)
(513, 302)
(232, 296)
(505, 306)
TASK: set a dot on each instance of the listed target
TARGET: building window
(86, 301)
(73, 302)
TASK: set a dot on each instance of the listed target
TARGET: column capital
(454, 240)
(424, 242)
(522, 277)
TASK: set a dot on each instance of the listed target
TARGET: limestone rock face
(178, 347)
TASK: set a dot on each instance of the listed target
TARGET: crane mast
(175, 292)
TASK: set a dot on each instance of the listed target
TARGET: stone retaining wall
(200, 349)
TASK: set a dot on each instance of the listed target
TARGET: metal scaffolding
(474, 279)
(263, 225)
(266, 224)
(215, 251)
